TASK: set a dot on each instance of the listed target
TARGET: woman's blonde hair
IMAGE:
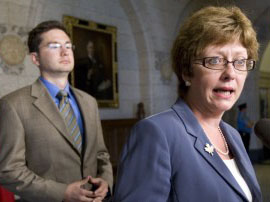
(210, 26)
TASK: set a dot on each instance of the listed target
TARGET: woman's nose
(229, 71)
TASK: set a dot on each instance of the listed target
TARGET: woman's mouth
(224, 92)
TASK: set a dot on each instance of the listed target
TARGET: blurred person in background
(244, 125)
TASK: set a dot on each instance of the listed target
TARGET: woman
(187, 153)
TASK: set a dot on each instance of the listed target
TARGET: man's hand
(102, 188)
(75, 192)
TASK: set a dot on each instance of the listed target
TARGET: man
(91, 77)
(244, 125)
(41, 158)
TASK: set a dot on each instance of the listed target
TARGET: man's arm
(14, 173)
(104, 166)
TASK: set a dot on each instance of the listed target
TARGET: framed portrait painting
(95, 70)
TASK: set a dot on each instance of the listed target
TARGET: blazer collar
(89, 121)
(45, 104)
(193, 128)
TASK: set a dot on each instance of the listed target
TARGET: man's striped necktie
(70, 119)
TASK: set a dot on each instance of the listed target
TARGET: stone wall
(145, 33)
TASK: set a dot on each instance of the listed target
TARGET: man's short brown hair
(34, 38)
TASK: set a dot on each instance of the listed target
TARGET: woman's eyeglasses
(217, 63)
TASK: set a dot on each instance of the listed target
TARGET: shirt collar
(52, 88)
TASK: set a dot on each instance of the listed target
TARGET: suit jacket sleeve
(145, 170)
(14, 173)
(103, 157)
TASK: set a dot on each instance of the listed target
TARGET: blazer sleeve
(144, 172)
(14, 173)
(103, 158)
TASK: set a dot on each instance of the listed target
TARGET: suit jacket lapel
(89, 123)
(243, 164)
(47, 107)
(193, 128)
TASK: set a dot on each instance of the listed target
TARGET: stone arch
(143, 45)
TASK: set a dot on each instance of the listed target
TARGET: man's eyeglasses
(57, 46)
(217, 63)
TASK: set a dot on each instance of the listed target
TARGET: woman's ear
(187, 80)
(35, 58)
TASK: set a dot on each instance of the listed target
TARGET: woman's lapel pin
(209, 148)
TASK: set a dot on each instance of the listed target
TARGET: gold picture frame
(95, 54)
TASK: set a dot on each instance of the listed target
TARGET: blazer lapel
(89, 123)
(193, 128)
(47, 107)
(218, 165)
(243, 162)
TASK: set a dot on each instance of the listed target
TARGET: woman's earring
(187, 83)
